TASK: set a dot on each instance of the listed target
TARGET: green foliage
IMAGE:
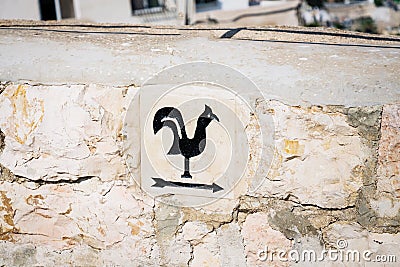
(378, 3)
(314, 24)
(365, 24)
(338, 25)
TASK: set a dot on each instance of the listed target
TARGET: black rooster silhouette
(187, 147)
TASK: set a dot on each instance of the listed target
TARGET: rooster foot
(186, 175)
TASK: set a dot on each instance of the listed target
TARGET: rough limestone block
(316, 154)
(63, 132)
(354, 237)
(386, 203)
(223, 247)
(69, 159)
(259, 235)
(97, 214)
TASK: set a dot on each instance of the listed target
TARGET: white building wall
(233, 4)
(104, 11)
(120, 11)
(19, 9)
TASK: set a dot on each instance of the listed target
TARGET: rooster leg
(186, 174)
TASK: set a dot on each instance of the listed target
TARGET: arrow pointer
(161, 183)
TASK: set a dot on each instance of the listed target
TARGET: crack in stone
(368, 123)
(303, 220)
(191, 253)
(324, 208)
(2, 143)
(3, 85)
(41, 182)
(32, 234)
(7, 175)
(367, 218)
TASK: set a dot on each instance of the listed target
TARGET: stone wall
(66, 196)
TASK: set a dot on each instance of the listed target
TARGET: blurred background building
(175, 12)
(374, 16)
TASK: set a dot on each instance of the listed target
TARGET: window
(254, 2)
(67, 9)
(47, 10)
(207, 5)
(146, 6)
(56, 9)
(205, 1)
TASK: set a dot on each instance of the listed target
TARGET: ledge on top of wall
(296, 65)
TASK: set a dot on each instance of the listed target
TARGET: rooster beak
(214, 117)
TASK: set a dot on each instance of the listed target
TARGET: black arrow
(161, 183)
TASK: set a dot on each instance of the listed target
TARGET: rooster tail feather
(171, 118)
(174, 150)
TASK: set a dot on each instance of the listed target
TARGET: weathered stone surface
(222, 247)
(381, 208)
(389, 152)
(2, 137)
(22, 255)
(207, 253)
(99, 215)
(7, 215)
(51, 176)
(283, 61)
(367, 121)
(316, 154)
(195, 230)
(68, 199)
(174, 248)
(3, 86)
(257, 235)
(80, 255)
(63, 134)
(291, 225)
(354, 237)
